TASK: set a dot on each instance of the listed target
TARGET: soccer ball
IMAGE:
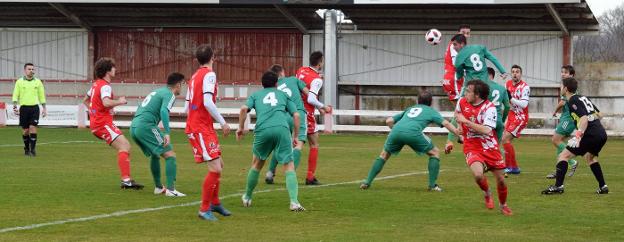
(433, 36)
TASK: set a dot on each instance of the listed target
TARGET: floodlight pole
(330, 79)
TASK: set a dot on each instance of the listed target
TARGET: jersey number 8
(477, 64)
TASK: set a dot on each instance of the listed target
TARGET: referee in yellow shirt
(28, 94)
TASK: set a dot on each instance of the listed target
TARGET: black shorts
(28, 115)
(591, 142)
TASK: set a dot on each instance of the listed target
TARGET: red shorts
(491, 158)
(205, 146)
(107, 132)
(311, 123)
(449, 85)
(515, 126)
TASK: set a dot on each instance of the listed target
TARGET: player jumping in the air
(451, 85)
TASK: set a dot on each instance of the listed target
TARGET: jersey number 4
(270, 99)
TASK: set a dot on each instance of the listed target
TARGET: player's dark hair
(480, 88)
(459, 38)
(269, 79)
(174, 78)
(571, 84)
(463, 26)
(102, 66)
(28, 64)
(204, 54)
(277, 68)
(315, 58)
(517, 67)
(491, 71)
(425, 98)
(570, 69)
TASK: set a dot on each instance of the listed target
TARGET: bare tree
(608, 46)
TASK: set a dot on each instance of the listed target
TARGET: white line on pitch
(50, 143)
(143, 210)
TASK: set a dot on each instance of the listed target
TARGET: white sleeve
(89, 92)
(522, 103)
(316, 85)
(212, 108)
(209, 83)
(170, 104)
(187, 100)
(106, 91)
(453, 54)
(312, 99)
(526, 91)
(457, 107)
(490, 117)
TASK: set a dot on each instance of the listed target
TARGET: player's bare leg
(122, 146)
(501, 188)
(478, 169)
(510, 154)
(313, 140)
(378, 165)
(434, 169)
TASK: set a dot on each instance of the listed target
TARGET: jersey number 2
(270, 99)
(495, 97)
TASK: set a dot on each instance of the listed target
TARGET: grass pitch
(75, 176)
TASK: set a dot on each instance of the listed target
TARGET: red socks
(502, 194)
(483, 184)
(123, 161)
(510, 156)
(215, 195)
(208, 190)
(312, 158)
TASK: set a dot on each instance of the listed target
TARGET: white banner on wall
(57, 115)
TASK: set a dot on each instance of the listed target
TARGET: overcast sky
(598, 7)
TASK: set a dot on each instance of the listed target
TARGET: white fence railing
(76, 116)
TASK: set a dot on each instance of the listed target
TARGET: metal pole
(330, 85)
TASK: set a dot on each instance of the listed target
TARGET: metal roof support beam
(71, 16)
(291, 18)
(553, 12)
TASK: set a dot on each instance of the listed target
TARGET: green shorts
(271, 139)
(150, 139)
(565, 127)
(419, 142)
(303, 125)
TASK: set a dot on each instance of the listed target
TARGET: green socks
(155, 168)
(560, 149)
(292, 186)
(377, 166)
(170, 172)
(434, 170)
(252, 181)
(296, 157)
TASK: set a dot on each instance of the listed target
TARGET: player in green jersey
(407, 129)
(153, 142)
(498, 96)
(293, 87)
(566, 125)
(271, 135)
(470, 64)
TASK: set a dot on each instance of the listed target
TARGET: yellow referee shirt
(29, 92)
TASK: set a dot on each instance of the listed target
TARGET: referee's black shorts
(28, 115)
(590, 142)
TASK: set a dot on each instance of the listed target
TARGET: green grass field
(80, 179)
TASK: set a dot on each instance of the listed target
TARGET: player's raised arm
(488, 55)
